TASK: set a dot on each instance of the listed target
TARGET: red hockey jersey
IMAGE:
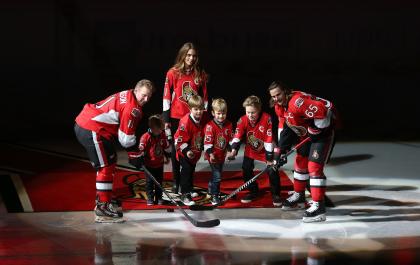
(152, 148)
(114, 117)
(259, 140)
(217, 139)
(305, 111)
(279, 110)
(178, 90)
(189, 136)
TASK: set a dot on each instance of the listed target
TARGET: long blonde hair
(180, 61)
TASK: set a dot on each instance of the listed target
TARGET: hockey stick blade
(201, 207)
(195, 222)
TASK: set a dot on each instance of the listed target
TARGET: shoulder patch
(299, 102)
(182, 127)
(135, 113)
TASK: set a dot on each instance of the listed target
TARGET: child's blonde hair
(196, 101)
(219, 104)
(156, 121)
(252, 101)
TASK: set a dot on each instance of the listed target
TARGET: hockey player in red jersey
(255, 128)
(183, 80)
(154, 152)
(305, 115)
(217, 136)
(189, 145)
(98, 127)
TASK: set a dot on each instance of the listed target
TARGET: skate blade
(318, 218)
(299, 206)
(104, 219)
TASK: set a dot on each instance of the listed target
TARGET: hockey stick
(197, 223)
(246, 184)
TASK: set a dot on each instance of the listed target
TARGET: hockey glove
(280, 158)
(315, 133)
(135, 159)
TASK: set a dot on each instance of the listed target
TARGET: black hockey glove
(315, 134)
(135, 159)
(280, 157)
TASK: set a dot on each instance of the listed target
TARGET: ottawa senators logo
(220, 142)
(136, 184)
(197, 81)
(187, 91)
(299, 130)
(158, 150)
(255, 143)
(198, 142)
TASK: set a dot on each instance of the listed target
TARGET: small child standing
(154, 152)
(189, 145)
(217, 135)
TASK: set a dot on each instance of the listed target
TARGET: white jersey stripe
(300, 176)
(98, 149)
(318, 182)
(104, 186)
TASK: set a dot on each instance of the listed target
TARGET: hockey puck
(170, 210)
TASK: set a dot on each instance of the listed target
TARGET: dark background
(364, 57)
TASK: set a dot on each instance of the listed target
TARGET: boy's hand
(212, 158)
(231, 156)
(269, 163)
(190, 154)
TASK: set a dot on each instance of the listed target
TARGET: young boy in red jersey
(217, 135)
(154, 151)
(256, 127)
(189, 145)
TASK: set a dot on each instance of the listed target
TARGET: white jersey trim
(166, 104)
(98, 149)
(103, 186)
(125, 139)
(111, 117)
(207, 146)
(300, 176)
(269, 147)
(318, 182)
(323, 123)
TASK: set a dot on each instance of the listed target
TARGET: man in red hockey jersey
(305, 115)
(256, 127)
(185, 79)
(98, 127)
(189, 145)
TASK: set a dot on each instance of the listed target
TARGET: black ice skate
(315, 213)
(105, 212)
(295, 202)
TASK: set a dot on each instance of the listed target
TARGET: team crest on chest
(158, 150)
(221, 142)
(187, 91)
(299, 130)
(255, 143)
(198, 142)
